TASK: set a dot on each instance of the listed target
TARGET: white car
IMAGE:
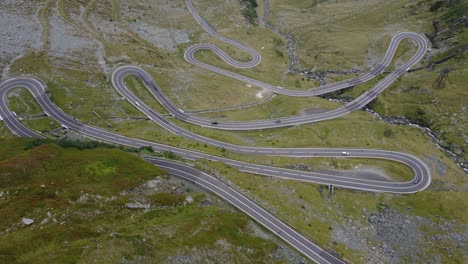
(137, 104)
(344, 153)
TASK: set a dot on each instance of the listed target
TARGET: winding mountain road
(356, 104)
(421, 172)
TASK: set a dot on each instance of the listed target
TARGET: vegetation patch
(78, 144)
(77, 202)
(249, 11)
(167, 199)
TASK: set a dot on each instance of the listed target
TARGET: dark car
(278, 121)
(214, 122)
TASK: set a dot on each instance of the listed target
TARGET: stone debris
(152, 184)
(188, 199)
(27, 221)
(137, 205)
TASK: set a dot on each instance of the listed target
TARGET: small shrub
(388, 133)
(249, 11)
(147, 148)
(78, 144)
(167, 199)
(169, 155)
(436, 6)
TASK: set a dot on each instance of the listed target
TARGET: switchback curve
(421, 172)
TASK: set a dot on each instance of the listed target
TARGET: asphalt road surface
(421, 172)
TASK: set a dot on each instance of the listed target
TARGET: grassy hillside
(79, 200)
(81, 42)
(336, 40)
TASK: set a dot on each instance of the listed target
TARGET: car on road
(137, 104)
(344, 153)
(278, 121)
(214, 122)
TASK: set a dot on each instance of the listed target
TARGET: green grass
(49, 162)
(138, 88)
(20, 101)
(49, 179)
(42, 125)
(5, 133)
(167, 199)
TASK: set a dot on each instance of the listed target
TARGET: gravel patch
(358, 172)
(440, 166)
(65, 40)
(282, 252)
(387, 236)
(164, 38)
(313, 111)
(365, 173)
(201, 255)
(291, 257)
(18, 33)
(398, 233)
(108, 28)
